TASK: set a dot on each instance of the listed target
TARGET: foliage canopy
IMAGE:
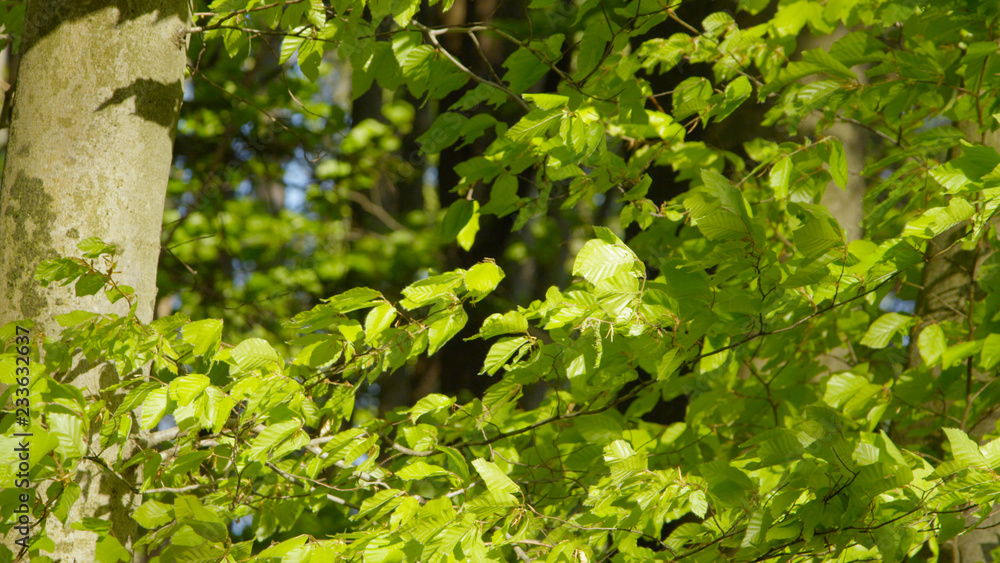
(737, 293)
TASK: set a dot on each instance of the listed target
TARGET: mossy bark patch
(26, 223)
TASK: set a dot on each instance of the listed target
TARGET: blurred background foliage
(287, 189)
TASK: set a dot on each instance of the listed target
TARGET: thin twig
(186, 489)
(376, 210)
(306, 480)
(432, 35)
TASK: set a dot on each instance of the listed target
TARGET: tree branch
(432, 35)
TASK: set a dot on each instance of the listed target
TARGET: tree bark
(949, 287)
(96, 104)
(949, 282)
(847, 204)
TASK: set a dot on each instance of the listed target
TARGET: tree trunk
(97, 98)
(847, 204)
(949, 282)
(949, 287)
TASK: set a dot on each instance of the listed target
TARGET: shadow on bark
(154, 101)
(42, 21)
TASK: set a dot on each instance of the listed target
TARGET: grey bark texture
(98, 93)
(949, 282)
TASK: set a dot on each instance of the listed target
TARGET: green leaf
(290, 43)
(416, 67)
(90, 284)
(939, 219)
(990, 355)
(838, 163)
(154, 408)
(496, 480)
(204, 335)
(110, 550)
(290, 18)
(755, 529)
(255, 353)
(668, 364)
(444, 329)
(404, 10)
(74, 318)
(714, 224)
(524, 69)
(421, 470)
(234, 41)
(458, 463)
(843, 388)
(310, 57)
(93, 247)
(819, 232)
(716, 23)
(317, 13)
(429, 290)
(503, 197)
(592, 47)
(931, 343)
(881, 332)
(189, 462)
(153, 514)
(965, 450)
(581, 134)
(219, 408)
(62, 269)
(430, 403)
(547, 101)
(951, 178)
(68, 495)
(599, 260)
(186, 388)
(467, 236)
(443, 133)
(960, 351)
(378, 319)
(728, 198)
(483, 278)
(691, 97)
(698, 503)
(457, 217)
(117, 292)
(202, 519)
(271, 438)
(737, 92)
(318, 349)
(92, 524)
(68, 428)
(506, 323)
(353, 299)
(379, 499)
(623, 461)
(781, 177)
(976, 161)
(500, 352)
(535, 124)
(475, 128)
